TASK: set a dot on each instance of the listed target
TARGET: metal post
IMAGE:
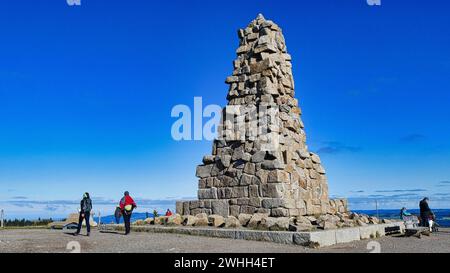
(99, 219)
(376, 206)
(1, 217)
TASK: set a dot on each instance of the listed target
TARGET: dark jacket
(86, 205)
(425, 210)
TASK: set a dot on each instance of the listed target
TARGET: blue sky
(86, 94)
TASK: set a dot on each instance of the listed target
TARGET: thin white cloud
(333, 147)
(412, 138)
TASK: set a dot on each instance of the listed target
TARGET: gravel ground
(43, 241)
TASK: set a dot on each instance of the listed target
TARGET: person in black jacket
(425, 212)
(85, 214)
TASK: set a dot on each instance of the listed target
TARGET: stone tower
(260, 162)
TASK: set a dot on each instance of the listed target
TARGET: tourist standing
(85, 214)
(127, 205)
(425, 212)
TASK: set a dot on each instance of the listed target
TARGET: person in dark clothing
(425, 212)
(85, 214)
(127, 205)
(117, 214)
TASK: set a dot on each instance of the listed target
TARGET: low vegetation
(22, 223)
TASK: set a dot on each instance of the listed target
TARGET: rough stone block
(235, 210)
(270, 203)
(346, 235)
(319, 238)
(186, 208)
(368, 232)
(258, 157)
(253, 191)
(250, 168)
(189, 220)
(202, 219)
(255, 202)
(239, 192)
(179, 207)
(201, 211)
(224, 193)
(246, 180)
(220, 207)
(266, 236)
(216, 220)
(248, 209)
(273, 190)
(279, 212)
(278, 176)
(207, 193)
(204, 171)
(196, 204)
(232, 222)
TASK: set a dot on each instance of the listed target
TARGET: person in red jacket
(127, 205)
(169, 213)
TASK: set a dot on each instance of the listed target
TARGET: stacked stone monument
(260, 162)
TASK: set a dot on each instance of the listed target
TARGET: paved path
(56, 241)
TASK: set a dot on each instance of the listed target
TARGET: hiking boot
(88, 234)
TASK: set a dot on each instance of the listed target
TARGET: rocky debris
(139, 223)
(174, 220)
(161, 220)
(281, 224)
(364, 219)
(360, 220)
(72, 218)
(201, 219)
(244, 219)
(232, 222)
(301, 223)
(216, 221)
(346, 223)
(189, 220)
(267, 223)
(328, 221)
(149, 221)
(301, 227)
(374, 220)
(360, 223)
(312, 219)
(264, 221)
(307, 223)
(260, 162)
(328, 225)
(256, 219)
